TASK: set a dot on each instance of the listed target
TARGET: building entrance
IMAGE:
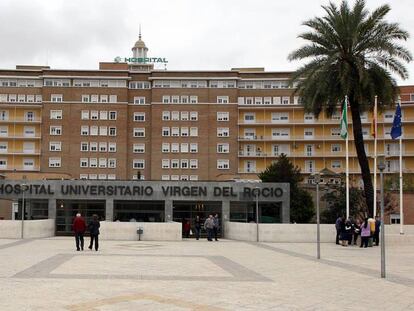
(66, 211)
(187, 211)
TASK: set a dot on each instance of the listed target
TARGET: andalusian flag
(344, 120)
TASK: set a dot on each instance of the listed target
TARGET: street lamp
(24, 187)
(257, 212)
(381, 167)
(318, 232)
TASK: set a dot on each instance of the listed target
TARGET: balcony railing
(21, 120)
(20, 152)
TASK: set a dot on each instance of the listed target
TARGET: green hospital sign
(142, 60)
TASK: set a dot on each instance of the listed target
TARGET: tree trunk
(362, 157)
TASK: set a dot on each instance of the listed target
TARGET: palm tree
(352, 52)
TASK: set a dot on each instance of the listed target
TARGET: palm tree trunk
(362, 157)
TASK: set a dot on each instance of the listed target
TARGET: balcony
(20, 168)
(20, 152)
(21, 120)
(315, 138)
(20, 136)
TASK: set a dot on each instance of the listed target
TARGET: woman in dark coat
(93, 227)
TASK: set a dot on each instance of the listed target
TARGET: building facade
(126, 121)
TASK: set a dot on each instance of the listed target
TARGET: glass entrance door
(187, 211)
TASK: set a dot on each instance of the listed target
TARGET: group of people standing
(348, 231)
(79, 227)
(211, 226)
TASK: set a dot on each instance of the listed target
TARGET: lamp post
(381, 167)
(318, 232)
(257, 212)
(24, 188)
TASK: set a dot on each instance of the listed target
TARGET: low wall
(301, 233)
(12, 229)
(153, 231)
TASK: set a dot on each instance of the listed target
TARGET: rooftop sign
(140, 60)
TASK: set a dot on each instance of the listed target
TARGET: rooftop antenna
(165, 66)
(139, 37)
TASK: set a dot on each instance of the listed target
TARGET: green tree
(301, 202)
(351, 52)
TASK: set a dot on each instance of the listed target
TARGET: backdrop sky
(191, 34)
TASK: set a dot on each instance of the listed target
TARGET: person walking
(377, 230)
(197, 227)
(357, 230)
(79, 227)
(365, 233)
(338, 228)
(93, 227)
(216, 227)
(187, 229)
(349, 229)
(209, 226)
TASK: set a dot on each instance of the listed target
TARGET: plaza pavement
(48, 274)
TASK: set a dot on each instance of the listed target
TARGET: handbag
(191, 232)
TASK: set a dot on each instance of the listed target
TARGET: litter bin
(139, 232)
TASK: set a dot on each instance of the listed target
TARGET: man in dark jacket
(93, 227)
(79, 227)
(377, 230)
(338, 224)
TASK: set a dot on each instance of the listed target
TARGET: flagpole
(401, 184)
(375, 157)
(347, 161)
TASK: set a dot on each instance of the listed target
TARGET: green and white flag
(344, 120)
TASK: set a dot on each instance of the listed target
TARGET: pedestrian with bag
(93, 228)
(209, 226)
(79, 227)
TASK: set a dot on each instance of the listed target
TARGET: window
(165, 177)
(38, 98)
(112, 147)
(104, 98)
(138, 148)
(112, 131)
(103, 147)
(240, 100)
(93, 130)
(309, 150)
(94, 115)
(54, 162)
(336, 164)
(222, 116)
(184, 163)
(102, 176)
(279, 149)
(139, 132)
(112, 115)
(184, 99)
(309, 166)
(223, 132)
(55, 130)
(267, 100)
(277, 100)
(28, 164)
(223, 148)
(85, 115)
(102, 162)
(165, 163)
(175, 147)
(138, 100)
(4, 115)
(84, 130)
(84, 146)
(29, 131)
(12, 98)
(55, 146)
(56, 114)
(113, 98)
(175, 99)
(223, 164)
(193, 177)
(165, 115)
(166, 99)
(282, 133)
(83, 176)
(175, 116)
(4, 131)
(193, 131)
(175, 131)
(3, 147)
(103, 130)
(336, 115)
(335, 131)
(93, 146)
(194, 147)
(258, 100)
(280, 117)
(222, 99)
(184, 115)
(93, 162)
(175, 177)
(184, 131)
(165, 131)
(3, 163)
(138, 164)
(193, 99)
(249, 117)
(193, 163)
(184, 147)
(309, 117)
(175, 163)
(84, 162)
(250, 166)
(285, 100)
(85, 98)
(165, 147)
(94, 98)
(111, 163)
(308, 133)
(139, 116)
(56, 98)
(103, 115)
(29, 116)
(335, 148)
(30, 98)
(92, 176)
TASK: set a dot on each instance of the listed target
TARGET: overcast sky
(191, 34)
